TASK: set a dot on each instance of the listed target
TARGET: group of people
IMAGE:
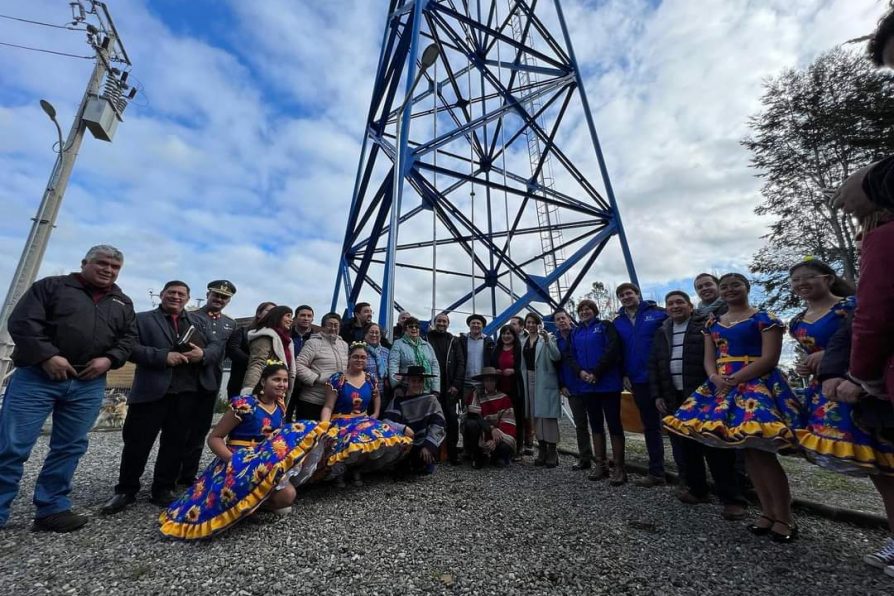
(335, 402)
(338, 401)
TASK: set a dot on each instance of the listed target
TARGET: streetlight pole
(45, 219)
(429, 56)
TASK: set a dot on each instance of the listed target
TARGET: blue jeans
(30, 398)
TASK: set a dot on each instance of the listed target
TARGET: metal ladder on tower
(547, 214)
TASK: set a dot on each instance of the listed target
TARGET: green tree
(817, 126)
(601, 295)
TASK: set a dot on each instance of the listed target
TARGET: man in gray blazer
(174, 370)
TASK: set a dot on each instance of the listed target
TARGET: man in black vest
(676, 370)
(176, 366)
(216, 326)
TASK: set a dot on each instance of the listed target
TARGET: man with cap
(217, 327)
(489, 424)
(418, 414)
(475, 347)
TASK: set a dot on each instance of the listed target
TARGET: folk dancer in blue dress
(832, 438)
(259, 462)
(746, 402)
(364, 443)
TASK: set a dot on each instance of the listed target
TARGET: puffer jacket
(263, 345)
(321, 357)
(660, 377)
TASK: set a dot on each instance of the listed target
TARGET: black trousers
(307, 411)
(198, 426)
(475, 426)
(721, 462)
(171, 416)
(448, 405)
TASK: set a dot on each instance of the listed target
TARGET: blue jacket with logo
(636, 338)
(567, 378)
(595, 348)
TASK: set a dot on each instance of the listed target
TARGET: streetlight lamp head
(429, 56)
(48, 108)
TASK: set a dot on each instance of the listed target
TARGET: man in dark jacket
(707, 286)
(452, 364)
(216, 326)
(636, 323)
(676, 370)
(354, 329)
(174, 369)
(69, 330)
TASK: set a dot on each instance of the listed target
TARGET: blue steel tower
(473, 191)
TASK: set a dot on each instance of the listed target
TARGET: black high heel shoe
(761, 530)
(790, 536)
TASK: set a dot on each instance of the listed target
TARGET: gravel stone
(519, 530)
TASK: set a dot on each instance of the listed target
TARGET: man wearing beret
(216, 327)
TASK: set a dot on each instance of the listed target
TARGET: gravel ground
(517, 530)
(807, 481)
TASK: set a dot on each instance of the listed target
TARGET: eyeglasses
(412, 326)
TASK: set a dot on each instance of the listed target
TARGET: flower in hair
(358, 344)
(271, 362)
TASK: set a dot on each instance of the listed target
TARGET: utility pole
(101, 109)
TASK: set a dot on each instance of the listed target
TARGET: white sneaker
(283, 510)
(883, 558)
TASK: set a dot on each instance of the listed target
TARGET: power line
(12, 45)
(11, 18)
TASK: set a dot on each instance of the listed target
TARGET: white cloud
(239, 159)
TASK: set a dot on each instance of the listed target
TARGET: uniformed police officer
(216, 327)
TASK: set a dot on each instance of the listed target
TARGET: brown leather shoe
(733, 512)
(687, 497)
(651, 481)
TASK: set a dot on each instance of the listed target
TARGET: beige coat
(264, 344)
(321, 357)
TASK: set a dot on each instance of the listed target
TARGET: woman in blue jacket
(595, 352)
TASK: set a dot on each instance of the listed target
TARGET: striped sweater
(496, 409)
(423, 414)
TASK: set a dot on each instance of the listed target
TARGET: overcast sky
(237, 160)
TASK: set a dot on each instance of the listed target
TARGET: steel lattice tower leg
(493, 207)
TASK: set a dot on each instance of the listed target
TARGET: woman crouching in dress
(259, 462)
(364, 443)
(747, 402)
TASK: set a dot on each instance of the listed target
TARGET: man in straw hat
(489, 425)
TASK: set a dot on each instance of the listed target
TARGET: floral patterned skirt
(227, 492)
(833, 438)
(762, 413)
(364, 444)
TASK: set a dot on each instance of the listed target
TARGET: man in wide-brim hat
(421, 412)
(489, 425)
